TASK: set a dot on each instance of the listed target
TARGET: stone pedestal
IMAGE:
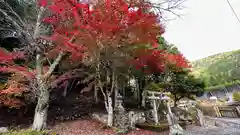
(121, 120)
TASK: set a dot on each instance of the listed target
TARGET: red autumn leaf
(43, 3)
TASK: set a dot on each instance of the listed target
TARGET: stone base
(102, 117)
(176, 129)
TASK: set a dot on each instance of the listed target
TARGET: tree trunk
(64, 94)
(116, 92)
(96, 95)
(40, 117)
(110, 111)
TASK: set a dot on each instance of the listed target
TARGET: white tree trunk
(40, 117)
(110, 111)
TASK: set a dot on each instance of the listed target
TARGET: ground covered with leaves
(93, 127)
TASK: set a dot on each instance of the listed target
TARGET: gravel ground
(195, 130)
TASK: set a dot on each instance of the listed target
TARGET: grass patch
(28, 132)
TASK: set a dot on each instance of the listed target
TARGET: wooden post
(217, 111)
(238, 110)
(155, 111)
(144, 98)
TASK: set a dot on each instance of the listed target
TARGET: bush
(236, 96)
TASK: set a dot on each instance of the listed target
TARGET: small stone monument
(121, 120)
(200, 117)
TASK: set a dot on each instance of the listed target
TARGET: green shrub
(236, 96)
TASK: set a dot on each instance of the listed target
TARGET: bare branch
(18, 27)
(13, 12)
(168, 7)
(113, 82)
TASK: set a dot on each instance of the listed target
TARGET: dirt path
(92, 127)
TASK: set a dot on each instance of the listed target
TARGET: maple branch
(54, 65)
(39, 67)
(39, 17)
(77, 73)
(113, 82)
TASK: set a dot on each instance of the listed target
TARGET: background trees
(218, 70)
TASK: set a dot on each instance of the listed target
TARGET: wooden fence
(220, 111)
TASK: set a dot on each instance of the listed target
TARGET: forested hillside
(219, 70)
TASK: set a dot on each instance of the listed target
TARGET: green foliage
(154, 87)
(185, 85)
(182, 85)
(236, 96)
(219, 70)
(28, 132)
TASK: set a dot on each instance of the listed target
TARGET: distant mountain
(219, 69)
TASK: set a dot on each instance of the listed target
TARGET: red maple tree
(156, 61)
(85, 30)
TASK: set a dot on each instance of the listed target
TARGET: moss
(236, 96)
(158, 128)
(163, 126)
(28, 132)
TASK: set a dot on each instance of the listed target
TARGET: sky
(207, 27)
